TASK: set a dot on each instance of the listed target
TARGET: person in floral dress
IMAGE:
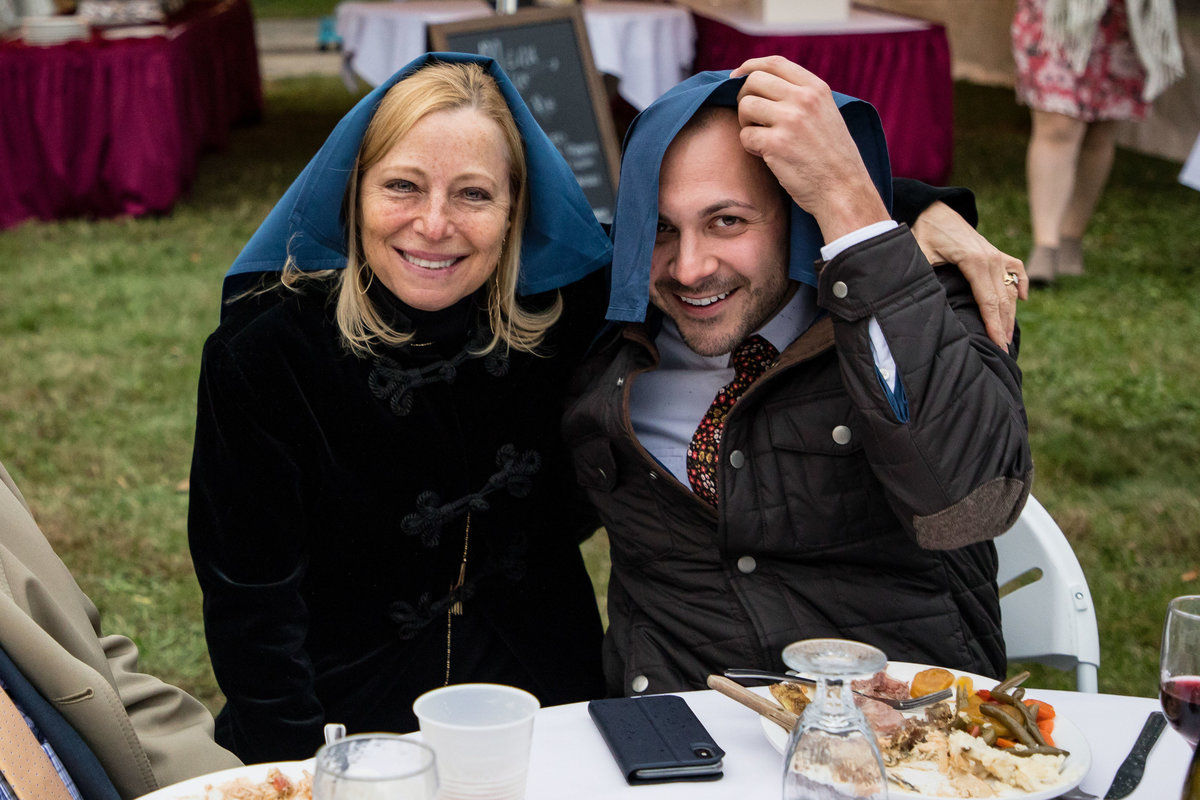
(1083, 66)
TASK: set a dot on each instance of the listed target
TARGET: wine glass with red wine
(1179, 666)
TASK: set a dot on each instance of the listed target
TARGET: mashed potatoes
(960, 765)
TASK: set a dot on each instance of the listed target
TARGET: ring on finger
(1012, 279)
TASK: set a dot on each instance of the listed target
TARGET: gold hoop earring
(363, 289)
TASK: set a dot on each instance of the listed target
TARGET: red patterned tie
(751, 358)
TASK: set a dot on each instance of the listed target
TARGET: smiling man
(719, 266)
(780, 452)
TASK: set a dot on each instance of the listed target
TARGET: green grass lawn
(1111, 382)
(102, 324)
(275, 9)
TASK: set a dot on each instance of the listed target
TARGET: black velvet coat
(331, 495)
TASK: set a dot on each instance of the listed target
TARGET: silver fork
(900, 705)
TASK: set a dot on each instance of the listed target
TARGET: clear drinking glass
(832, 753)
(375, 766)
(1179, 666)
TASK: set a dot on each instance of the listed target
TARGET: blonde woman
(379, 499)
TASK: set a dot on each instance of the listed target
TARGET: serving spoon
(735, 691)
(907, 704)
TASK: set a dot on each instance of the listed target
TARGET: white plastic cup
(481, 734)
(375, 766)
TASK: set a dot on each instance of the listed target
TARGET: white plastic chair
(1045, 605)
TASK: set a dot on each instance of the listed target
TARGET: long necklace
(456, 607)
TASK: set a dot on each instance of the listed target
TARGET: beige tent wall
(980, 50)
(977, 30)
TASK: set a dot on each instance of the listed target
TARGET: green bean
(1030, 714)
(1021, 733)
(988, 734)
(985, 731)
(961, 698)
(1028, 720)
(1000, 696)
(1012, 724)
(1015, 680)
(1040, 749)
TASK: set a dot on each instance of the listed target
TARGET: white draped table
(380, 38)
(571, 760)
(859, 21)
(648, 47)
(899, 64)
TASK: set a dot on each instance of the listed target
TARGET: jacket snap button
(841, 434)
(840, 290)
(737, 459)
(620, 381)
(640, 684)
(653, 476)
(603, 475)
(747, 564)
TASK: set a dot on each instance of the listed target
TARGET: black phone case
(656, 732)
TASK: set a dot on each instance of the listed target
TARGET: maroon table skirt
(905, 75)
(101, 128)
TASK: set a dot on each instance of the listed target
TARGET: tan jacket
(145, 733)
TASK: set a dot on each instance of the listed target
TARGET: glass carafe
(832, 753)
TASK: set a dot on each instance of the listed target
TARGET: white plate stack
(44, 31)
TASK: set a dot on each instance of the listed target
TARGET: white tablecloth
(571, 760)
(648, 47)
(380, 38)
(860, 20)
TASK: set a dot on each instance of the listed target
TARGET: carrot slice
(1046, 727)
(1045, 710)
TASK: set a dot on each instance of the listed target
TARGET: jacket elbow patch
(970, 520)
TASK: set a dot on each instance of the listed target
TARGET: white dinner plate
(1066, 736)
(198, 788)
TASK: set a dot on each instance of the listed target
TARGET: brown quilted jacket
(884, 537)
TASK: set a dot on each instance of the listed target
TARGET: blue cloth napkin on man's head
(636, 220)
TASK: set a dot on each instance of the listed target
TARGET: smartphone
(657, 739)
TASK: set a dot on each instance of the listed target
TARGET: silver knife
(1129, 774)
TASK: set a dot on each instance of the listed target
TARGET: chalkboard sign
(544, 51)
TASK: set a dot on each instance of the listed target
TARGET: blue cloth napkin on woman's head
(562, 241)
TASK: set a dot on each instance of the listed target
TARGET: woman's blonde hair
(437, 87)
